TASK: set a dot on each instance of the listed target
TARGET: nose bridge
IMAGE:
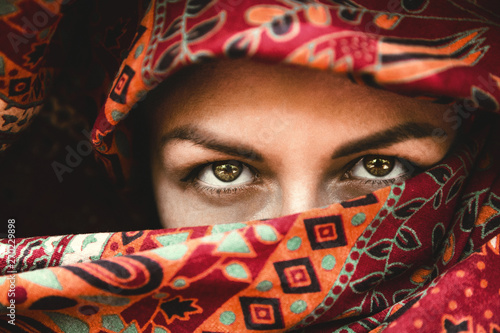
(300, 174)
(299, 195)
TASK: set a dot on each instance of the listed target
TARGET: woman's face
(238, 141)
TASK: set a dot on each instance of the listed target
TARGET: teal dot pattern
(298, 306)
(294, 243)
(227, 317)
(264, 286)
(179, 283)
(358, 219)
(328, 262)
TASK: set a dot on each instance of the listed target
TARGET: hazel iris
(227, 171)
(378, 166)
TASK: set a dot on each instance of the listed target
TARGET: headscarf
(420, 255)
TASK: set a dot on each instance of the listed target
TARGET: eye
(223, 173)
(379, 167)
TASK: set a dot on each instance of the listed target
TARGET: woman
(389, 252)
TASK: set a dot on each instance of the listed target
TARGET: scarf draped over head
(421, 255)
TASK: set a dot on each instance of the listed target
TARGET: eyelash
(191, 178)
(217, 191)
(381, 181)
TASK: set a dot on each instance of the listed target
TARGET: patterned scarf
(421, 255)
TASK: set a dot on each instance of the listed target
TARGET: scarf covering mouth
(418, 256)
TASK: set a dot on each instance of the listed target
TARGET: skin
(301, 132)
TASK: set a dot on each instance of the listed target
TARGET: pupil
(379, 166)
(227, 171)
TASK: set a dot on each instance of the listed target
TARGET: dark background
(86, 57)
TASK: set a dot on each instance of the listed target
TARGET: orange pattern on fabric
(388, 22)
(264, 14)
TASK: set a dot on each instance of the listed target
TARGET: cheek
(190, 213)
(177, 211)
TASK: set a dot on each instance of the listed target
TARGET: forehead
(244, 88)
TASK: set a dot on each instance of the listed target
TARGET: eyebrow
(383, 139)
(386, 138)
(205, 139)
